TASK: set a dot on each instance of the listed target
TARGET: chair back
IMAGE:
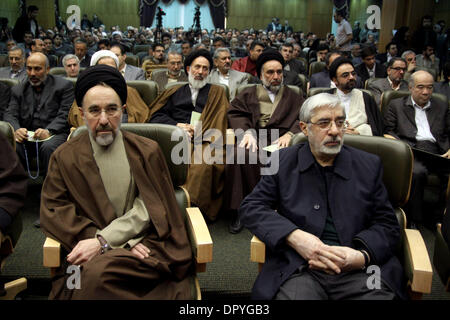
(149, 68)
(315, 67)
(389, 95)
(10, 82)
(4, 61)
(369, 81)
(168, 137)
(58, 71)
(158, 71)
(396, 157)
(239, 89)
(8, 132)
(148, 90)
(305, 62)
(132, 60)
(141, 48)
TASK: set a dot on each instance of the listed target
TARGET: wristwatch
(104, 246)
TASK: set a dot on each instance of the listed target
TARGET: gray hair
(308, 108)
(69, 57)
(407, 53)
(17, 48)
(412, 79)
(220, 50)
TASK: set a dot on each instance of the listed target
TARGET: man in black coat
(26, 23)
(40, 104)
(370, 68)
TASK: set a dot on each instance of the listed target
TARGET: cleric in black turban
(194, 55)
(268, 55)
(95, 75)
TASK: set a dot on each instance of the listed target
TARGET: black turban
(94, 75)
(194, 55)
(268, 55)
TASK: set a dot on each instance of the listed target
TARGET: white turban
(103, 54)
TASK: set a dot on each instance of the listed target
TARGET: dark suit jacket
(364, 218)
(5, 94)
(381, 85)
(399, 121)
(361, 70)
(443, 88)
(56, 100)
(320, 80)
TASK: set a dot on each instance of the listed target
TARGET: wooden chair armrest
(257, 250)
(417, 263)
(52, 253)
(389, 136)
(231, 138)
(200, 238)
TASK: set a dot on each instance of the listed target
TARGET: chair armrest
(389, 136)
(52, 253)
(416, 262)
(200, 238)
(231, 138)
(257, 250)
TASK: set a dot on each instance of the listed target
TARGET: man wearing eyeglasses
(174, 71)
(109, 201)
(396, 69)
(321, 237)
(363, 114)
(424, 123)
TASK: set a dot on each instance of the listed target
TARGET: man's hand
(348, 259)
(313, 250)
(186, 127)
(21, 135)
(447, 154)
(284, 140)
(140, 251)
(249, 142)
(84, 251)
(350, 129)
(411, 66)
(41, 134)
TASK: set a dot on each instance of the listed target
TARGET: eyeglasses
(326, 124)
(110, 111)
(399, 69)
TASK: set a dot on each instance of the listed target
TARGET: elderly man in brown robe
(271, 106)
(109, 200)
(175, 106)
(137, 111)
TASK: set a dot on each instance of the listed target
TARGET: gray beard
(197, 84)
(273, 89)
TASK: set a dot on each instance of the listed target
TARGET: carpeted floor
(229, 276)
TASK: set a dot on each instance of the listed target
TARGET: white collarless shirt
(423, 127)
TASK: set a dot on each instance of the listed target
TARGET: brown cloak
(205, 182)
(74, 205)
(137, 110)
(244, 113)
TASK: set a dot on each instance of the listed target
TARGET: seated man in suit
(396, 68)
(41, 105)
(254, 114)
(13, 185)
(108, 199)
(320, 237)
(224, 74)
(175, 106)
(363, 114)
(129, 72)
(322, 79)
(136, 111)
(369, 68)
(294, 65)
(71, 65)
(391, 52)
(156, 60)
(175, 72)
(428, 59)
(16, 69)
(80, 48)
(443, 87)
(423, 123)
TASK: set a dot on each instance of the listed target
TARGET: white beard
(197, 84)
(268, 86)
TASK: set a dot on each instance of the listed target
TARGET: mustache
(332, 139)
(104, 128)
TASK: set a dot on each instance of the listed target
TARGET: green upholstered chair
(441, 258)
(132, 60)
(315, 67)
(397, 159)
(148, 90)
(4, 62)
(58, 71)
(141, 48)
(304, 81)
(12, 234)
(198, 232)
(10, 82)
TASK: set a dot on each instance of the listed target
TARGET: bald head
(37, 68)
(421, 87)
